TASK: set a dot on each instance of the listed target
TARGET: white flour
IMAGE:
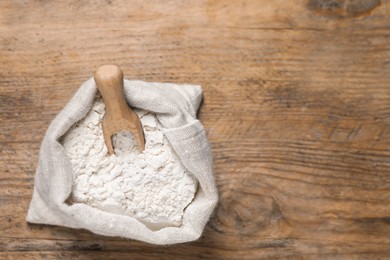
(152, 186)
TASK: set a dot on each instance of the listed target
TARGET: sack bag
(175, 107)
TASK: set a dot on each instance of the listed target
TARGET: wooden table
(296, 108)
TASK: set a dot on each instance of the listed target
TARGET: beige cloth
(175, 107)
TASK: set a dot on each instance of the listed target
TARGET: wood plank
(296, 108)
(102, 249)
(125, 256)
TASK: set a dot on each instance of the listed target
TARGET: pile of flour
(152, 186)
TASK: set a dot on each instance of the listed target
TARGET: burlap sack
(175, 106)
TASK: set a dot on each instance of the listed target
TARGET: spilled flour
(152, 186)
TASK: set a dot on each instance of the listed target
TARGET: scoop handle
(109, 81)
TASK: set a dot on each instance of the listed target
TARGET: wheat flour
(152, 186)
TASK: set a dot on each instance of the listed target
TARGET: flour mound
(153, 186)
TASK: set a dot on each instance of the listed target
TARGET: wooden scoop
(119, 116)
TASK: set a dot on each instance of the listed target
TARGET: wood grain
(296, 108)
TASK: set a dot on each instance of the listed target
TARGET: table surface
(296, 109)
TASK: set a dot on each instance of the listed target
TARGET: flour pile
(152, 186)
